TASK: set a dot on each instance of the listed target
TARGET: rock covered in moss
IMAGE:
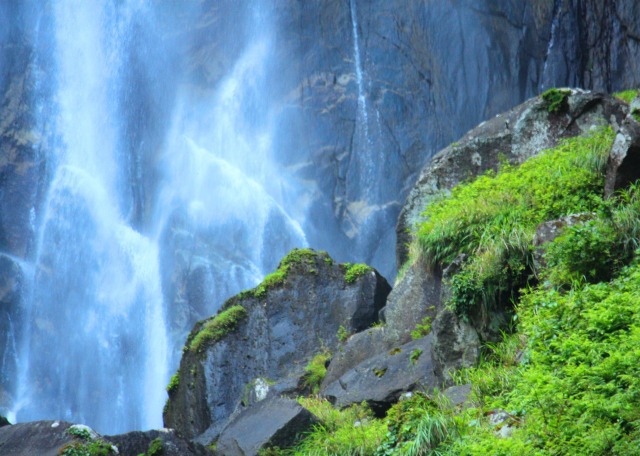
(271, 334)
(512, 137)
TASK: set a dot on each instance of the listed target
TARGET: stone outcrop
(166, 442)
(623, 166)
(513, 137)
(274, 422)
(278, 327)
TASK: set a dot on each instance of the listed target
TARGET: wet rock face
(283, 328)
(514, 137)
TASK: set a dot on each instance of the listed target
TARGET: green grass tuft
(627, 95)
(316, 370)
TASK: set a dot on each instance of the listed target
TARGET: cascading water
(113, 292)
(95, 347)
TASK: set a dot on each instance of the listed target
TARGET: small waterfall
(557, 10)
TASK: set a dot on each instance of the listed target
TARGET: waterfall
(95, 347)
(124, 264)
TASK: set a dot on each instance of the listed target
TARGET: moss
(422, 329)
(415, 355)
(316, 370)
(379, 372)
(555, 99)
(343, 333)
(306, 261)
(217, 327)
(627, 96)
(354, 271)
(156, 448)
(173, 383)
(636, 114)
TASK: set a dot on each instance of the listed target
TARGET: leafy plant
(492, 220)
(343, 333)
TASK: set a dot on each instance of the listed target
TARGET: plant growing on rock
(354, 271)
(217, 327)
(316, 370)
(555, 99)
(493, 219)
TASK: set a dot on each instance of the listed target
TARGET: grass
(316, 370)
(627, 95)
(493, 219)
(172, 387)
(217, 327)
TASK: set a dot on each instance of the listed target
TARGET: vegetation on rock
(627, 95)
(566, 378)
(173, 383)
(555, 99)
(217, 327)
(354, 271)
(492, 221)
(316, 370)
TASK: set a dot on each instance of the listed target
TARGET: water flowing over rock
(158, 157)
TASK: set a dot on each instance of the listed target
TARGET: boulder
(380, 380)
(416, 296)
(511, 137)
(273, 333)
(165, 440)
(623, 165)
(456, 344)
(272, 422)
(42, 438)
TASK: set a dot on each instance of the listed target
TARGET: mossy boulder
(270, 332)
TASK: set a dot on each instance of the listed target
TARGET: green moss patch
(354, 271)
(556, 99)
(627, 95)
(316, 370)
(217, 327)
(172, 387)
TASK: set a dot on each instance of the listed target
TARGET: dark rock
(42, 438)
(358, 348)
(380, 380)
(455, 344)
(272, 422)
(623, 165)
(514, 137)
(135, 443)
(283, 329)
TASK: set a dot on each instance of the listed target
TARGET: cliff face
(363, 94)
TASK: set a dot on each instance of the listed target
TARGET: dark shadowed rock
(381, 379)
(513, 137)
(272, 422)
(42, 438)
(623, 165)
(279, 328)
(135, 443)
(455, 344)
(459, 395)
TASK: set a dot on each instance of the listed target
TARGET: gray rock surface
(381, 379)
(43, 438)
(456, 344)
(137, 442)
(283, 330)
(270, 423)
(513, 137)
(623, 165)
